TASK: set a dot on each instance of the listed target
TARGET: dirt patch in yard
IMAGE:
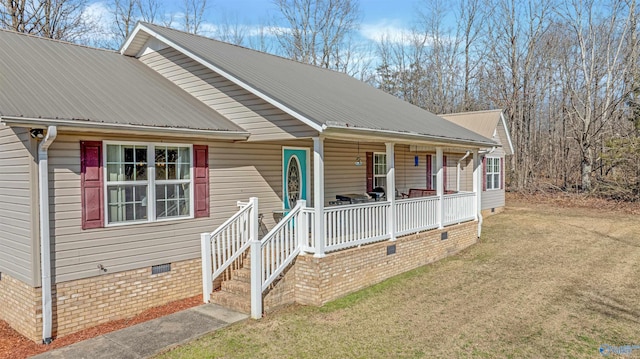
(545, 281)
(15, 346)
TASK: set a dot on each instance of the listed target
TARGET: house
(121, 174)
(490, 124)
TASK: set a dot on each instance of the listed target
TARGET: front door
(295, 179)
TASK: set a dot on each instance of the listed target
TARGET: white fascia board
(129, 39)
(506, 130)
(386, 136)
(226, 75)
(86, 126)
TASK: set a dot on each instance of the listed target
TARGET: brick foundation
(316, 281)
(20, 306)
(88, 302)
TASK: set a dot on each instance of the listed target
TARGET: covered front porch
(333, 228)
(313, 223)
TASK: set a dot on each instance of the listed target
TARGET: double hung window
(148, 182)
(493, 173)
(380, 170)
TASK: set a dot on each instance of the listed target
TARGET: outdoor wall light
(358, 160)
(37, 133)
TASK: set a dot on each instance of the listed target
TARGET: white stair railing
(275, 252)
(227, 243)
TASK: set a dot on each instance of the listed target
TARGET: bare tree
(597, 76)
(20, 15)
(317, 30)
(193, 15)
(125, 14)
(56, 19)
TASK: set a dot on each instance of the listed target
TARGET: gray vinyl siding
(18, 230)
(237, 171)
(264, 121)
(502, 138)
(494, 198)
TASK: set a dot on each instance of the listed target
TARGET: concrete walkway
(149, 338)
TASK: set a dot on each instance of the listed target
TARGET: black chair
(378, 193)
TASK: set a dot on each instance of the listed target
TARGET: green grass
(543, 282)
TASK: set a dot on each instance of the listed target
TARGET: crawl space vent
(161, 268)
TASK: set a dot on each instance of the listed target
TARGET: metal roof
(484, 123)
(47, 79)
(481, 122)
(319, 97)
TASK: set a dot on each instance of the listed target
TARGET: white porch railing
(227, 243)
(356, 224)
(416, 214)
(345, 226)
(275, 252)
(458, 208)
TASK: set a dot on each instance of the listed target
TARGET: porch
(316, 230)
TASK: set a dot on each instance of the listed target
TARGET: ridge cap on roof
(244, 48)
(468, 112)
(58, 41)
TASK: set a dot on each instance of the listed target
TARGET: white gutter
(480, 219)
(45, 240)
(488, 152)
(81, 125)
(458, 170)
(445, 141)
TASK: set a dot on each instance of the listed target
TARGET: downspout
(480, 219)
(45, 240)
(458, 170)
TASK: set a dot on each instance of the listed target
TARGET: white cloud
(98, 14)
(387, 30)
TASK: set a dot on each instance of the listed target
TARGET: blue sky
(379, 17)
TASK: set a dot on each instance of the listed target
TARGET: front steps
(235, 293)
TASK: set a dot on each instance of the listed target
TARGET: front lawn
(544, 281)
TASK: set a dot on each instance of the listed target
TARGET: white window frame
(491, 174)
(384, 175)
(150, 182)
(434, 172)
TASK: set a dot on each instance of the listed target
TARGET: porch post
(391, 189)
(318, 194)
(440, 186)
(476, 182)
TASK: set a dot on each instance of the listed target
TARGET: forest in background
(564, 72)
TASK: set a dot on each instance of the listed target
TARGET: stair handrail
(258, 283)
(248, 209)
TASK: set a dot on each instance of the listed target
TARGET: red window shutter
(484, 173)
(369, 169)
(444, 173)
(501, 173)
(201, 180)
(91, 185)
(429, 173)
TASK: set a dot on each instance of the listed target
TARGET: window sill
(163, 221)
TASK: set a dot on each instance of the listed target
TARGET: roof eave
(87, 126)
(388, 135)
(506, 130)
